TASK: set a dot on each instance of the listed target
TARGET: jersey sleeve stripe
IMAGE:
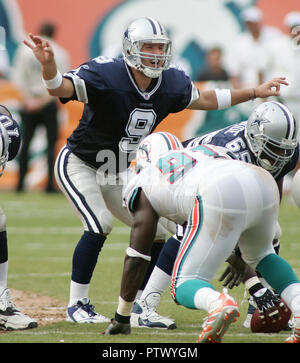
(80, 87)
(194, 94)
(133, 199)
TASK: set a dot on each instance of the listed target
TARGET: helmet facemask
(271, 133)
(271, 155)
(160, 62)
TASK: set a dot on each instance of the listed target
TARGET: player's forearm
(49, 70)
(224, 98)
(64, 89)
(219, 99)
(242, 95)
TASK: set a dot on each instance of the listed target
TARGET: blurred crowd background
(219, 43)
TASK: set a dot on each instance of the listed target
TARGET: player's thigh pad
(77, 180)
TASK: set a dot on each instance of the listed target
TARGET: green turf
(42, 233)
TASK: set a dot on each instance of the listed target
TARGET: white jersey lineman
(223, 201)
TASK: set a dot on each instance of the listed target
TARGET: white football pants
(237, 207)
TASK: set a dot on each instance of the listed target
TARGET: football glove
(268, 304)
(235, 272)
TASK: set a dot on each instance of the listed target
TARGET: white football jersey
(173, 182)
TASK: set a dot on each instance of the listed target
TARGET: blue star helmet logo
(261, 120)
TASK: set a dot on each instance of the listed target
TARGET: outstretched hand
(270, 88)
(41, 48)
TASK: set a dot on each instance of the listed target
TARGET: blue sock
(3, 247)
(85, 256)
(168, 255)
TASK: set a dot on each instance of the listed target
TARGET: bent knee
(106, 222)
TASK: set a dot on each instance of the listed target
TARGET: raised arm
(219, 99)
(56, 84)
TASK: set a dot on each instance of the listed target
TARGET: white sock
(77, 292)
(158, 282)
(291, 295)
(204, 297)
(3, 274)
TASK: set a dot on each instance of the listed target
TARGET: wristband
(254, 94)
(223, 98)
(54, 82)
(251, 282)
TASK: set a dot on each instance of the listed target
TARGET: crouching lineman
(11, 318)
(267, 139)
(224, 202)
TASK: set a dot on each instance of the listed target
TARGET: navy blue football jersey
(233, 138)
(117, 114)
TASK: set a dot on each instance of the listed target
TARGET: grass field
(42, 233)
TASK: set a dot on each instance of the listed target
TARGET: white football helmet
(271, 132)
(146, 30)
(4, 141)
(152, 146)
(13, 131)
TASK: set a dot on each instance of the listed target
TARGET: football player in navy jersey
(11, 318)
(267, 139)
(125, 99)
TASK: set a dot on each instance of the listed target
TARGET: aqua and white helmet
(154, 145)
(146, 30)
(271, 133)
